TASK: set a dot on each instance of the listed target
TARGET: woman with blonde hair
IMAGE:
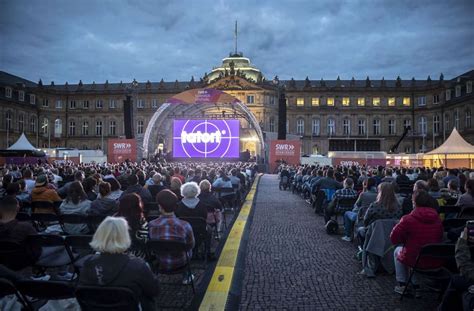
(112, 266)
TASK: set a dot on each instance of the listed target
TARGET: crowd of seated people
(415, 205)
(123, 194)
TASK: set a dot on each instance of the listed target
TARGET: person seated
(421, 227)
(366, 197)
(190, 205)
(89, 185)
(433, 188)
(451, 194)
(328, 182)
(157, 185)
(467, 199)
(452, 299)
(452, 175)
(214, 206)
(6, 180)
(170, 227)
(78, 176)
(104, 205)
(41, 192)
(14, 189)
(131, 208)
(175, 186)
(403, 180)
(135, 187)
(76, 202)
(223, 182)
(115, 189)
(111, 266)
(346, 193)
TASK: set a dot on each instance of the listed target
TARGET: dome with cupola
(236, 64)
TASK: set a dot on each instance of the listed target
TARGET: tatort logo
(206, 138)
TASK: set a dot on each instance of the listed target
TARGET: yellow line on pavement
(218, 290)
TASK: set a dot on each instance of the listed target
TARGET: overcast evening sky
(148, 40)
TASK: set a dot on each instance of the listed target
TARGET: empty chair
(8, 288)
(97, 298)
(47, 290)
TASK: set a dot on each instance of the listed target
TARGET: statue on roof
(232, 68)
(307, 82)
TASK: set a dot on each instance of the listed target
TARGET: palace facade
(328, 115)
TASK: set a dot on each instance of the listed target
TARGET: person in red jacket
(422, 226)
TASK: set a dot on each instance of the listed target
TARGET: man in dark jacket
(134, 187)
(104, 205)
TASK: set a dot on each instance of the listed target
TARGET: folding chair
(174, 249)
(8, 288)
(45, 290)
(20, 216)
(61, 256)
(93, 221)
(79, 244)
(227, 200)
(97, 298)
(343, 205)
(42, 220)
(451, 210)
(13, 255)
(43, 207)
(201, 235)
(68, 220)
(438, 251)
(467, 212)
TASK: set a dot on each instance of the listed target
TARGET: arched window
(436, 124)
(58, 128)
(45, 126)
(300, 126)
(331, 127)
(33, 124)
(422, 126)
(392, 128)
(468, 119)
(72, 128)
(85, 128)
(21, 123)
(315, 126)
(8, 118)
(456, 118)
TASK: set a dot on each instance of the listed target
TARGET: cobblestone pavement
(292, 264)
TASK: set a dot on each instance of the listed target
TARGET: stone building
(328, 115)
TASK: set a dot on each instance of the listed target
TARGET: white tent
(454, 152)
(22, 144)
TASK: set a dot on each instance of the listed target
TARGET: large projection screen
(206, 138)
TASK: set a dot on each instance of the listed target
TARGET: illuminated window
(458, 90)
(315, 125)
(391, 101)
(469, 87)
(406, 101)
(300, 101)
(330, 101)
(72, 128)
(448, 94)
(315, 101)
(392, 129)
(21, 96)
(346, 101)
(300, 126)
(361, 126)
(376, 101)
(112, 127)
(361, 101)
(347, 127)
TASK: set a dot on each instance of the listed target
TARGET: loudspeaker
(282, 116)
(128, 117)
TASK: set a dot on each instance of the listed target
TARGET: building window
(361, 126)
(422, 126)
(300, 126)
(286, 101)
(33, 124)
(8, 117)
(407, 149)
(72, 104)
(361, 101)
(45, 126)
(8, 92)
(330, 101)
(59, 104)
(391, 101)
(421, 100)
(346, 127)
(436, 99)
(21, 123)
(392, 127)
(458, 91)
(287, 125)
(21, 96)
(72, 128)
(315, 126)
(331, 127)
(300, 101)
(112, 104)
(271, 125)
(251, 98)
(85, 128)
(469, 87)
(99, 104)
(436, 124)
(154, 103)
(456, 118)
(98, 128)
(140, 125)
(85, 104)
(45, 102)
(315, 149)
(112, 127)
(140, 103)
(448, 94)
(32, 99)
(58, 128)
(446, 122)
(406, 101)
(468, 119)
(315, 101)
(376, 127)
(346, 101)
(376, 101)
(406, 123)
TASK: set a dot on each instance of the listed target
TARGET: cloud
(117, 40)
